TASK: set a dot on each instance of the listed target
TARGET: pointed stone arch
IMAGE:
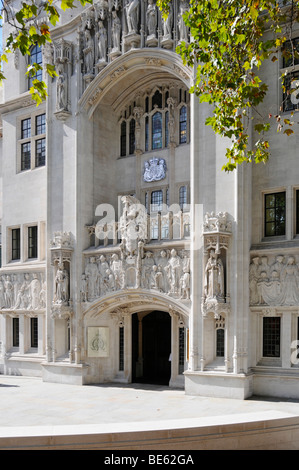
(140, 63)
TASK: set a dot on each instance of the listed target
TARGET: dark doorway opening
(151, 347)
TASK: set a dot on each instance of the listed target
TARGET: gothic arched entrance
(151, 347)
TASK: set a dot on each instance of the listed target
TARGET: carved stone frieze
(274, 280)
(133, 264)
(22, 291)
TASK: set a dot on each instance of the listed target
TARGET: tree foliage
(30, 25)
(230, 40)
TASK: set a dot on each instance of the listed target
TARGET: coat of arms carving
(154, 170)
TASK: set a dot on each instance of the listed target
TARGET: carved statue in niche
(92, 276)
(61, 285)
(132, 15)
(84, 289)
(133, 226)
(61, 88)
(156, 280)
(116, 269)
(116, 30)
(167, 24)
(88, 52)
(151, 18)
(102, 41)
(173, 270)
(185, 284)
(183, 30)
(148, 264)
(214, 277)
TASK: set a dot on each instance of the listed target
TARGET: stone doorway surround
(117, 311)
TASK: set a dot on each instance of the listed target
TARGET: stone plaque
(98, 341)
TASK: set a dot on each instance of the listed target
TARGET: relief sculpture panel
(274, 280)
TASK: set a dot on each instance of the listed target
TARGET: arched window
(183, 197)
(146, 134)
(123, 139)
(220, 342)
(132, 137)
(166, 129)
(157, 100)
(156, 201)
(157, 131)
(35, 58)
(183, 125)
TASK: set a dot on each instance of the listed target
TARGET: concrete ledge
(218, 384)
(60, 372)
(259, 431)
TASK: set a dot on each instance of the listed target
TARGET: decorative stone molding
(63, 62)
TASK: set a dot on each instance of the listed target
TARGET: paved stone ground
(31, 402)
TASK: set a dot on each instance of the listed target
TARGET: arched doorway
(151, 347)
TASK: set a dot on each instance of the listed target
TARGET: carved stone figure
(214, 277)
(253, 279)
(183, 30)
(173, 270)
(61, 84)
(148, 264)
(151, 18)
(8, 286)
(88, 52)
(92, 276)
(35, 292)
(185, 284)
(84, 291)
(102, 41)
(116, 30)
(133, 226)
(167, 24)
(42, 295)
(2, 296)
(60, 295)
(132, 14)
(116, 269)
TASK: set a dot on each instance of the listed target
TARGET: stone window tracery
(155, 122)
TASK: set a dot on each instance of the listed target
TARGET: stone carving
(116, 30)
(102, 42)
(88, 52)
(61, 295)
(132, 265)
(274, 284)
(132, 15)
(183, 30)
(151, 18)
(22, 292)
(154, 170)
(61, 88)
(217, 222)
(167, 24)
(214, 278)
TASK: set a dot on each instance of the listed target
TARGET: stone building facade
(128, 255)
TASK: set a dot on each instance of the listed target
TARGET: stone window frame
(291, 71)
(262, 360)
(264, 193)
(24, 243)
(32, 140)
(127, 115)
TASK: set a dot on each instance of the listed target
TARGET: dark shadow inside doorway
(151, 348)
